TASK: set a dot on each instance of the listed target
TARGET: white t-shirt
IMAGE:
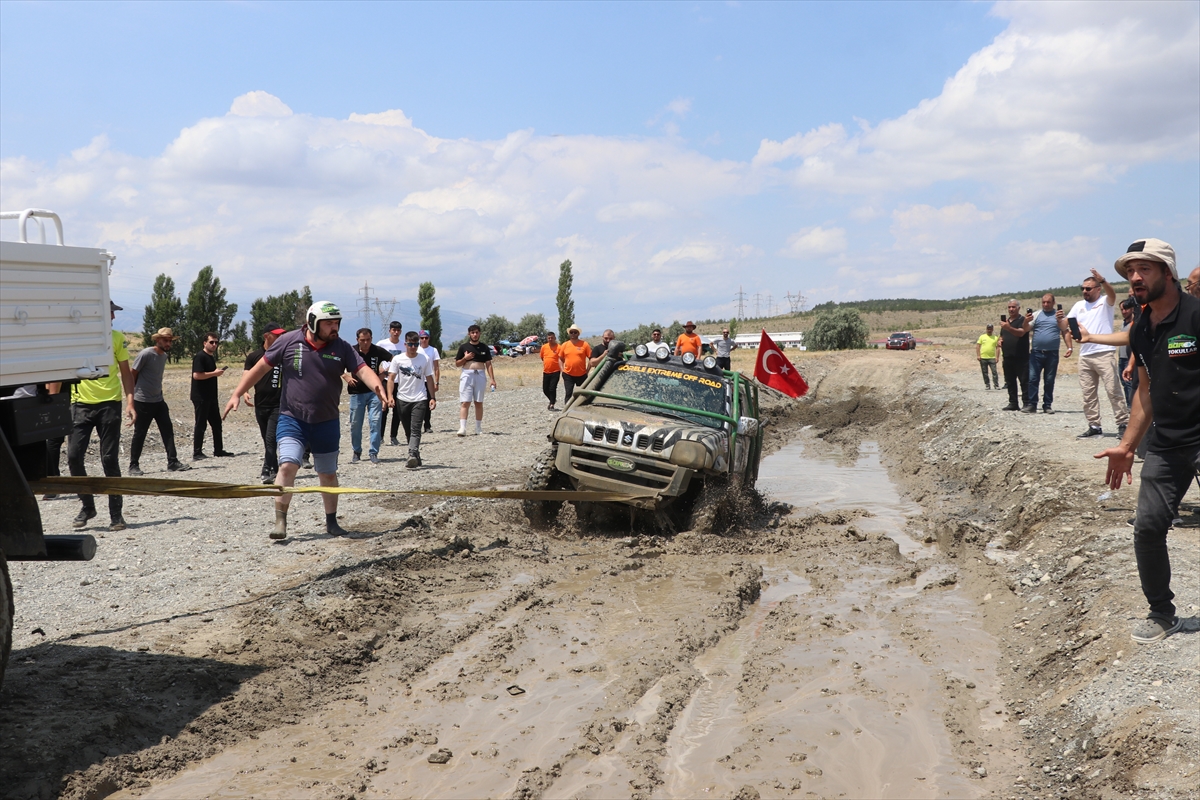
(409, 376)
(432, 354)
(392, 347)
(1097, 317)
(653, 346)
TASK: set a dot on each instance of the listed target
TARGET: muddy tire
(709, 511)
(6, 616)
(543, 475)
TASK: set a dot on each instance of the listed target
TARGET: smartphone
(1060, 306)
(1028, 311)
(1073, 324)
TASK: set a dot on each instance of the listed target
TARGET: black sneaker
(82, 520)
(268, 479)
(1090, 432)
(118, 524)
(1047, 410)
(1011, 407)
(394, 442)
(178, 466)
(135, 471)
(224, 454)
(1120, 431)
(1029, 410)
(198, 456)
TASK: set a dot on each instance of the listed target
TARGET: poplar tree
(566, 305)
(431, 315)
(165, 311)
(206, 311)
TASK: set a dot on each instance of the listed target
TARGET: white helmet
(322, 309)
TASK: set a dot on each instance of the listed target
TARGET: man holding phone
(1097, 362)
(1014, 350)
(1045, 334)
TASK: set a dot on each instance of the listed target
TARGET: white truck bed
(55, 322)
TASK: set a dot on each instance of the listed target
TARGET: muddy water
(830, 689)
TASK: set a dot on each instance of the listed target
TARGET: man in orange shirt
(551, 369)
(573, 356)
(688, 341)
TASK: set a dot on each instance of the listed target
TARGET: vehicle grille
(617, 436)
(649, 473)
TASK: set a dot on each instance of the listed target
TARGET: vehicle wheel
(543, 475)
(6, 616)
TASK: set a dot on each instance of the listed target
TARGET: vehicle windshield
(899, 336)
(667, 384)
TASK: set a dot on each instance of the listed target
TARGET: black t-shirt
(266, 391)
(205, 390)
(479, 352)
(375, 356)
(1171, 358)
(1015, 346)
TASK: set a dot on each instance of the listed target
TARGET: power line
(740, 297)
(757, 305)
(364, 304)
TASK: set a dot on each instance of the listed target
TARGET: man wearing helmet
(313, 360)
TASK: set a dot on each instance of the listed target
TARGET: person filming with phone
(1097, 362)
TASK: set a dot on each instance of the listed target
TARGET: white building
(793, 339)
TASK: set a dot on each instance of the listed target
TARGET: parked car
(902, 340)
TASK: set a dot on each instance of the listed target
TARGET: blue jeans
(1042, 361)
(368, 405)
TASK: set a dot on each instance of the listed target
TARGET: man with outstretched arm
(1164, 346)
(313, 360)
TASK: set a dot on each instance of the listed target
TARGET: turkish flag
(774, 370)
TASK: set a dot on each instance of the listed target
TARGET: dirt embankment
(976, 645)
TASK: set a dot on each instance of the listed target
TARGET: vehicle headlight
(569, 430)
(662, 353)
(692, 455)
(641, 351)
(689, 358)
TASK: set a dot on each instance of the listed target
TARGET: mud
(912, 612)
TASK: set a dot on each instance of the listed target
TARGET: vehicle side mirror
(747, 426)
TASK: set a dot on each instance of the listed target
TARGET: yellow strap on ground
(225, 491)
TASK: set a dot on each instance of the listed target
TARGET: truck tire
(543, 514)
(708, 512)
(6, 616)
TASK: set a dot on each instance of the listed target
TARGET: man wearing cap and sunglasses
(435, 358)
(1167, 405)
(149, 404)
(393, 345)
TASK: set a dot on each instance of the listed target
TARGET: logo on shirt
(1181, 345)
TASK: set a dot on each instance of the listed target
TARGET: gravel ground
(192, 646)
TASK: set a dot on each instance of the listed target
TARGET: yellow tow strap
(225, 491)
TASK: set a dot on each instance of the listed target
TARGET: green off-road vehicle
(679, 436)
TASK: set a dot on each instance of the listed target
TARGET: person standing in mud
(985, 353)
(1044, 336)
(313, 359)
(1167, 404)
(1014, 351)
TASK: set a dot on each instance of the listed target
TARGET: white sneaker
(462, 431)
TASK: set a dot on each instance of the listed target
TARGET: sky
(676, 153)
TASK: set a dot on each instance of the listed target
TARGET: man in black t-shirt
(363, 400)
(1014, 350)
(204, 398)
(475, 359)
(1167, 404)
(266, 400)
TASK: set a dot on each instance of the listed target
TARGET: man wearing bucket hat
(1167, 404)
(149, 404)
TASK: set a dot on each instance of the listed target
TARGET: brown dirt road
(942, 611)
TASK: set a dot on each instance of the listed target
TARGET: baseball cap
(272, 327)
(395, 325)
(1148, 250)
(423, 334)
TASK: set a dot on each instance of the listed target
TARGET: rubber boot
(332, 527)
(280, 531)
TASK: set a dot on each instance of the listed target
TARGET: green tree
(431, 315)
(240, 342)
(566, 305)
(165, 311)
(532, 325)
(206, 311)
(286, 309)
(733, 327)
(837, 329)
(495, 328)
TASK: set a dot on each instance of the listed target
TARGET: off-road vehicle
(679, 436)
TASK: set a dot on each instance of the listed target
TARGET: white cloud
(932, 230)
(259, 104)
(816, 241)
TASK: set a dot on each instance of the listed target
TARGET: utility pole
(796, 301)
(740, 297)
(385, 316)
(364, 304)
(770, 305)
